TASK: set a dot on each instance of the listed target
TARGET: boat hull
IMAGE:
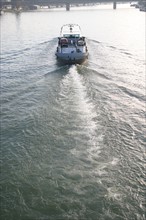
(71, 58)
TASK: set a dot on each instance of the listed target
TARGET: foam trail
(76, 102)
(74, 89)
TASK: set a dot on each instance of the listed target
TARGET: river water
(72, 137)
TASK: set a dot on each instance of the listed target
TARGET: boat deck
(73, 49)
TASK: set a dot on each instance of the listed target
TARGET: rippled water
(72, 137)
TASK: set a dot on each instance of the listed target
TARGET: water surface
(72, 137)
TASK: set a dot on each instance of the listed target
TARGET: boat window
(71, 35)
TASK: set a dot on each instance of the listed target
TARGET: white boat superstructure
(72, 46)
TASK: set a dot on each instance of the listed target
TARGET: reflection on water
(72, 137)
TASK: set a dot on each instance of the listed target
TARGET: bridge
(16, 4)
